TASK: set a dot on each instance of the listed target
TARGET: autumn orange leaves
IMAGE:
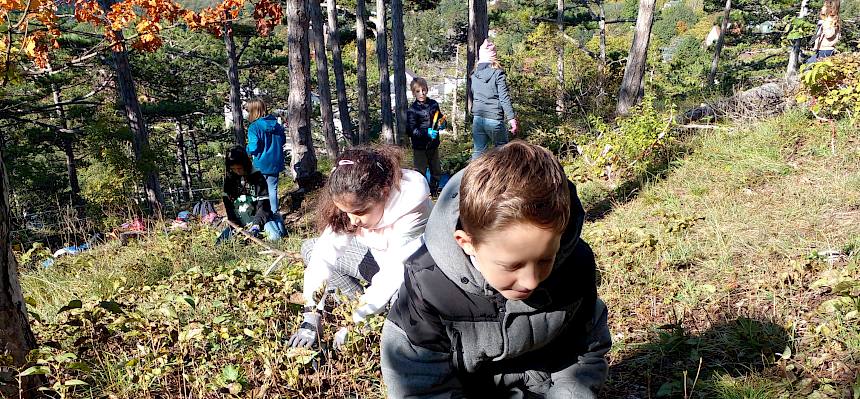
(32, 25)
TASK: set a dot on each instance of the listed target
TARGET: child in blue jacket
(266, 140)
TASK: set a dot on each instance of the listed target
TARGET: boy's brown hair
(418, 81)
(518, 182)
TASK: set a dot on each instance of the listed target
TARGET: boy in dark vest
(501, 301)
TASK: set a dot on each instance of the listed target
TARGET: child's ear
(464, 240)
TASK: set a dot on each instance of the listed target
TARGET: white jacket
(391, 242)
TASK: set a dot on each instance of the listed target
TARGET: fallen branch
(269, 249)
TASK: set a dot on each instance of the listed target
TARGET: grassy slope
(719, 261)
(712, 262)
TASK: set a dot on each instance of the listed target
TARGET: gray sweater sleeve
(583, 378)
(504, 96)
(410, 371)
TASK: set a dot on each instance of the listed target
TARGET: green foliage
(798, 28)
(431, 35)
(832, 87)
(175, 308)
(620, 151)
(674, 20)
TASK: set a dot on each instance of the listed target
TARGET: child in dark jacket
(422, 123)
(501, 301)
(246, 198)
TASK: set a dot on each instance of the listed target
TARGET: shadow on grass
(728, 351)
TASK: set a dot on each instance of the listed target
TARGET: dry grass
(719, 261)
(714, 272)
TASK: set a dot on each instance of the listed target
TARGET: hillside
(733, 273)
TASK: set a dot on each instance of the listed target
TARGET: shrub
(625, 149)
(831, 87)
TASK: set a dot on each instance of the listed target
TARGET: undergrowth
(729, 266)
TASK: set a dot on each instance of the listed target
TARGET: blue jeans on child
(485, 130)
(272, 183)
(273, 230)
(819, 55)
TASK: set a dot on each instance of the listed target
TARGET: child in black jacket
(423, 122)
(246, 198)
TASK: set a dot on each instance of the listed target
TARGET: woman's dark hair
(236, 155)
(368, 173)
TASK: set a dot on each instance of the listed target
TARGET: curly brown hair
(368, 173)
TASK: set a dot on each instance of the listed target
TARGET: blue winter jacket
(266, 145)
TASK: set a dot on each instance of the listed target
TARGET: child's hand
(514, 127)
(433, 133)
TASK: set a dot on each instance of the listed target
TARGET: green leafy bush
(673, 21)
(831, 87)
(623, 150)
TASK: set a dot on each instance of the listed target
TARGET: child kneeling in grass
(372, 214)
(501, 301)
(246, 198)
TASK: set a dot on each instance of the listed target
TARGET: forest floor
(732, 272)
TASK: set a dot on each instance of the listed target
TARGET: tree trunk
(303, 160)
(16, 338)
(384, 86)
(559, 95)
(339, 81)
(233, 80)
(720, 39)
(315, 13)
(194, 145)
(140, 142)
(601, 66)
(631, 84)
(398, 42)
(456, 88)
(67, 145)
(794, 55)
(182, 160)
(478, 26)
(361, 72)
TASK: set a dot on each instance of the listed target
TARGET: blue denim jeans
(486, 130)
(273, 230)
(272, 183)
(819, 55)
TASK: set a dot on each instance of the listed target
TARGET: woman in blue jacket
(266, 146)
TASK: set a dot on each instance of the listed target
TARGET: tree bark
(16, 338)
(398, 41)
(67, 145)
(384, 85)
(559, 95)
(601, 66)
(794, 55)
(303, 160)
(182, 160)
(478, 27)
(339, 80)
(235, 88)
(139, 130)
(456, 88)
(361, 72)
(631, 85)
(315, 13)
(719, 48)
(199, 171)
